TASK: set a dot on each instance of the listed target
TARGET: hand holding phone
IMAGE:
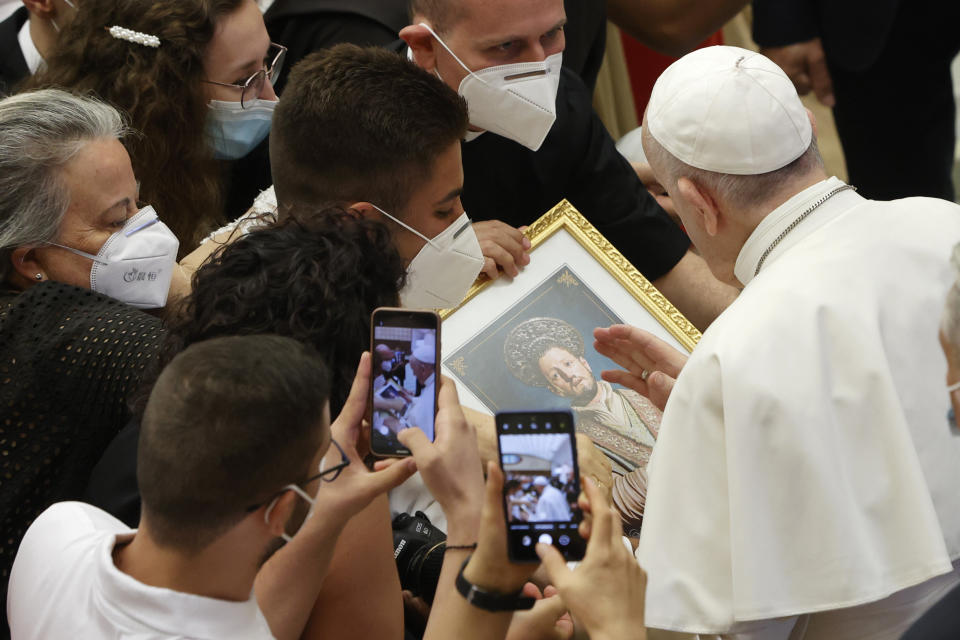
(538, 455)
(607, 591)
(405, 344)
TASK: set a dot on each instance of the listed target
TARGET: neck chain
(795, 223)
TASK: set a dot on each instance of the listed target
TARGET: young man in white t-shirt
(233, 449)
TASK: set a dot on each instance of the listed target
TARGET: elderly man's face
(567, 375)
(103, 194)
(422, 370)
(498, 32)
(720, 250)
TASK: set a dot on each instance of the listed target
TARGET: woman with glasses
(195, 79)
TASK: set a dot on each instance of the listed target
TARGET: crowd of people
(202, 202)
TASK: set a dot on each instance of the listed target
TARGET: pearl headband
(136, 37)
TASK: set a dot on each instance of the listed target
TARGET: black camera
(418, 548)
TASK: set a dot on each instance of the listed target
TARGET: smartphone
(538, 455)
(405, 350)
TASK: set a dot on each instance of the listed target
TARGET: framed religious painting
(527, 344)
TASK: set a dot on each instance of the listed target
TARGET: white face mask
(234, 131)
(136, 263)
(516, 101)
(300, 492)
(440, 275)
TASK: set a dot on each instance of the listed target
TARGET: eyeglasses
(331, 474)
(253, 86)
(324, 475)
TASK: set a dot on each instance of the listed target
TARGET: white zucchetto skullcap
(728, 110)
(540, 481)
(425, 351)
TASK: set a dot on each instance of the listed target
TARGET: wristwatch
(491, 600)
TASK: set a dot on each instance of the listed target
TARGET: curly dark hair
(315, 276)
(528, 341)
(161, 91)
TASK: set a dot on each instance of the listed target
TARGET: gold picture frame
(565, 217)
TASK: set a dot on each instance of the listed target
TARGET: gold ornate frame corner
(565, 216)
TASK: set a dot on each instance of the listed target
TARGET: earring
(39, 276)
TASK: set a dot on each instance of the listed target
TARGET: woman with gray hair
(942, 620)
(78, 261)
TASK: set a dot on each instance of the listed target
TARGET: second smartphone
(405, 350)
(538, 455)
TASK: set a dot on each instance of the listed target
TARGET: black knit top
(69, 359)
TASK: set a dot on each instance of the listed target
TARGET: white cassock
(804, 456)
(552, 506)
(421, 411)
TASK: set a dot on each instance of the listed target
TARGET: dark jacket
(13, 67)
(853, 32)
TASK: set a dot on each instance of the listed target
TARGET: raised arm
(291, 584)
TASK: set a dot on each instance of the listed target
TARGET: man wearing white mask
(26, 37)
(394, 157)
(804, 481)
(534, 138)
(206, 540)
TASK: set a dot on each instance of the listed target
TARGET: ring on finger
(644, 375)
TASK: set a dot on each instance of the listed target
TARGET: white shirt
(30, 53)
(551, 507)
(421, 411)
(805, 436)
(64, 584)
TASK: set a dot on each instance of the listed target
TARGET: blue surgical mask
(235, 131)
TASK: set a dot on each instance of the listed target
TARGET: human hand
(639, 351)
(806, 65)
(356, 486)
(594, 464)
(450, 465)
(657, 190)
(548, 620)
(503, 248)
(606, 592)
(489, 567)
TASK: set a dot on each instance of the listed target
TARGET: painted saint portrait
(536, 356)
(526, 344)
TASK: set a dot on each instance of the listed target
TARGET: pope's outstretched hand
(650, 365)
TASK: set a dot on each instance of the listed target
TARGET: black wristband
(491, 600)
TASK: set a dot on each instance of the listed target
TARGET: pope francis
(803, 484)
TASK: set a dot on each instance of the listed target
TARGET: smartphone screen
(538, 454)
(405, 349)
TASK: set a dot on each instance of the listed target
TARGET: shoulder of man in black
(577, 161)
(586, 36)
(305, 26)
(13, 66)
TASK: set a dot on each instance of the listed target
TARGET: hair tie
(136, 37)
